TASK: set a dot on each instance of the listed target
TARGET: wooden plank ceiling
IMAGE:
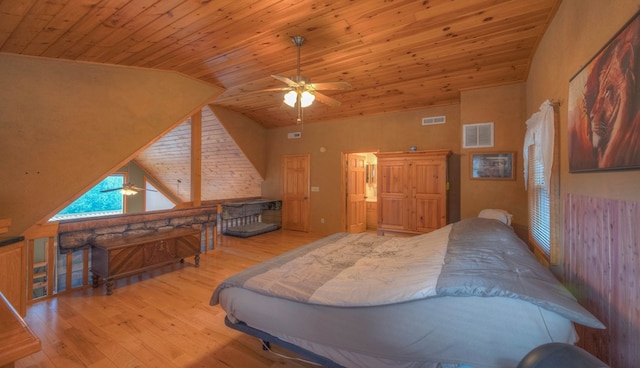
(397, 54)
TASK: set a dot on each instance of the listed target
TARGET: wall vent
(434, 120)
(477, 135)
(294, 135)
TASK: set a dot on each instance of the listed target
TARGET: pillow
(496, 214)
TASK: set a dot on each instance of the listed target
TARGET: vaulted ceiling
(396, 54)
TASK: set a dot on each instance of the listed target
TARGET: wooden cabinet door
(295, 192)
(392, 197)
(356, 193)
(13, 266)
(428, 181)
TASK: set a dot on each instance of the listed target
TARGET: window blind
(539, 205)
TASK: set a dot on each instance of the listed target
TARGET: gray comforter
(473, 257)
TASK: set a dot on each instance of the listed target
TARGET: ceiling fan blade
(330, 86)
(286, 80)
(268, 90)
(326, 99)
(110, 190)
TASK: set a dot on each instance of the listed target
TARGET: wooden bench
(129, 255)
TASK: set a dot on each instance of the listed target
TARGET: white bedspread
(409, 271)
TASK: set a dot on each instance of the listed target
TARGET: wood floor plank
(161, 318)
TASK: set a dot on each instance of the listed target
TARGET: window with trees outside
(95, 203)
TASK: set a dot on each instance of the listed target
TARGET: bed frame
(267, 339)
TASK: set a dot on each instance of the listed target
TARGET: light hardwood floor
(161, 318)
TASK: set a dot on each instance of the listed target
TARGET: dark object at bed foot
(560, 355)
(267, 339)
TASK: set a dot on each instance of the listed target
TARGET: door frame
(343, 182)
(306, 222)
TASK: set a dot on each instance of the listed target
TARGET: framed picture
(493, 165)
(604, 112)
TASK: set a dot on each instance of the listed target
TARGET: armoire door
(295, 192)
(392, 198)
(429, 194)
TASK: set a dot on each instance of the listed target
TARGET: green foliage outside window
(95, 201)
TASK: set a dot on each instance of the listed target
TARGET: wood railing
(52, 269)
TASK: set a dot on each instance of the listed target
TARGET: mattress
(469, 294)
(475, 331)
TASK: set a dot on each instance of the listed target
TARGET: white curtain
(540, 132)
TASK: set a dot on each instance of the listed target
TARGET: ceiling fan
(127, 189)
(302, 92)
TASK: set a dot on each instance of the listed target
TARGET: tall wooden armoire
(412, 191)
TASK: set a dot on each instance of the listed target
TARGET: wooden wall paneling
(602, 268)
(625, 291)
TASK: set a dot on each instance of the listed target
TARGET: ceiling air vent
(477, 135)
(434, 120)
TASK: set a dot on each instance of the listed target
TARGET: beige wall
(388, 132)
(504, 106)
(579, 30)
(248, 135)
(397, 132)
(66, 125)
(598, 245)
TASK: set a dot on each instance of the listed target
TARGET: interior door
(295, 192)
(356, 193)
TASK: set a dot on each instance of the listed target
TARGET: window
(95, 203)
(541, 182)
(155, 199)
(539, 206)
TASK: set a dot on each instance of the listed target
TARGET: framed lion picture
(604, 106)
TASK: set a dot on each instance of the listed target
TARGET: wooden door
(428, 178)
(392, 197)
(356, 193)
(295, 192)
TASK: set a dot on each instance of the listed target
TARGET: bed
(468, 294)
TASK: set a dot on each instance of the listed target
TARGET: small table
(16, 338)
(129, 255)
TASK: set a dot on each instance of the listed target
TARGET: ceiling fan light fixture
(307, 98)
(290, 98)
(128, 191)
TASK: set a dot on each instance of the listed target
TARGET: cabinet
(412, 192)
(13, 274)
(116, 258)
